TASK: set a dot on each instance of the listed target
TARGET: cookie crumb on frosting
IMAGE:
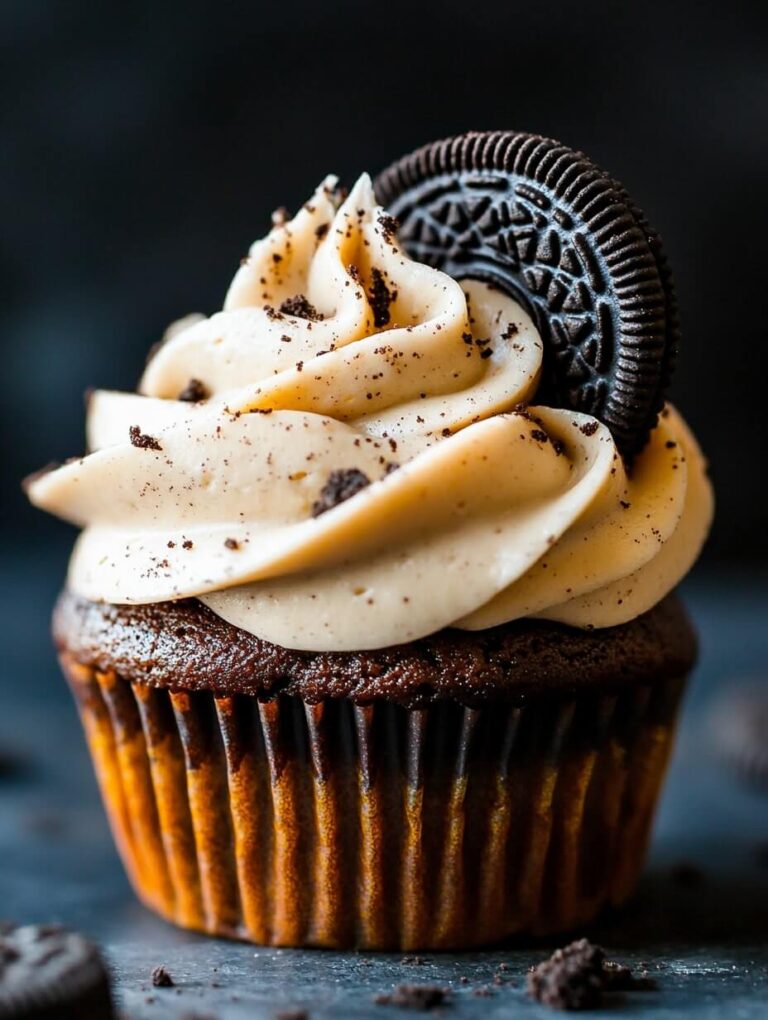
(194, 392)
(142, 440)
(301, 307)
(341, 486)
(389, 226)
(380, 297)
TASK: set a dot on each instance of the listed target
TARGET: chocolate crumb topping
(142, 440)
(161, 978)
(194, 392)
(589, 428)
(300, 307)
(423, 997)
(389, 227)
(322, 230)
(231, 543)
(341, 486)
(380, 297)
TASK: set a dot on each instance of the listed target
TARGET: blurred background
(145, 145)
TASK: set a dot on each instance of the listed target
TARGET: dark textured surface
(554, 230)
(184, 644)
(705, 943)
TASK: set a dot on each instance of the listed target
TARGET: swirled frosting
(341, 368)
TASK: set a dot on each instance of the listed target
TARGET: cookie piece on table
(50, 973)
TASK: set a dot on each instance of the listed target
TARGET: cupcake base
(285, 822)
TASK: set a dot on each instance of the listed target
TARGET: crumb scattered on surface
(423, 997)
(161, 978)
(578, 976)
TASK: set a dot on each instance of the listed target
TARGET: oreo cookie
(50, 973)
(556, 232)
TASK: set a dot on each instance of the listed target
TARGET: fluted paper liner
(339, 825)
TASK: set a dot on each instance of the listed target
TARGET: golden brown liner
(377, 826)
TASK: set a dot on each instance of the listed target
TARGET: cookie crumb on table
(578, 976)
(161, 977)
(422, 997)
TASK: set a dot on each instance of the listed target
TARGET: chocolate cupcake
(370, 622)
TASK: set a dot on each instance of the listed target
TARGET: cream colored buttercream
(493, 512)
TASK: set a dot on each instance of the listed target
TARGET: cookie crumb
(341, 486)
(423, 997)
(577, 977)
(194, 392)
(142, 440)
(380, 298)
(389, 227)
(301, 308)
(161, 978)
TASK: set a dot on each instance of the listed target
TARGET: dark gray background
(144, 145)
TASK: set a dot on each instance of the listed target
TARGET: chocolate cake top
(184, 645)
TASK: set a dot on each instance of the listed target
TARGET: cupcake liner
(376, 826)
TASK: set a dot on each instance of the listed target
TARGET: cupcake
(371, 622)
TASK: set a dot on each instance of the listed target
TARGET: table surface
(705, 944)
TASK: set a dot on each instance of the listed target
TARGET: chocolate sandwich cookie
(50, 973)
(555, 231)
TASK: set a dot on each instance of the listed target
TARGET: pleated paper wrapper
(376, 826)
